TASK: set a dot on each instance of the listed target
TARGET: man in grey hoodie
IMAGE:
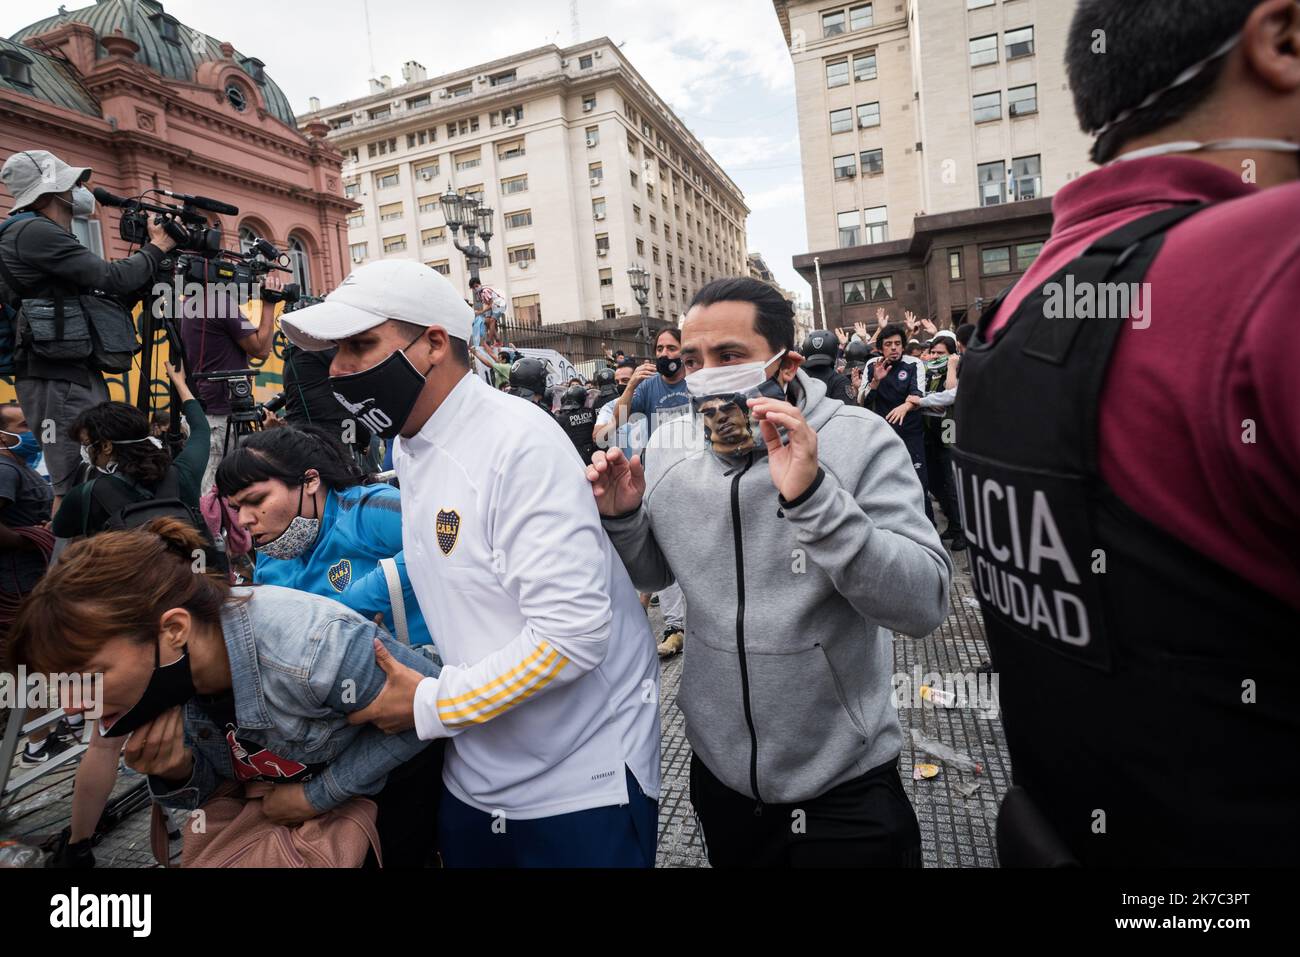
(803, 543)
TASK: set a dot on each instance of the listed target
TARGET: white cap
(945, 334)
(373, 294)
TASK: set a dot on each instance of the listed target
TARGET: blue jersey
(360, 526)
(906, 377)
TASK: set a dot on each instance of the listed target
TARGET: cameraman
(221, 338)
(40, 258)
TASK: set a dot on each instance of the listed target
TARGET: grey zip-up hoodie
(788, 662)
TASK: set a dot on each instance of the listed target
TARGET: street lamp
(639, 279)
(461, 212)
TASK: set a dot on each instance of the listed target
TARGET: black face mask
(668, 366)
(169, 686)
(382, 396)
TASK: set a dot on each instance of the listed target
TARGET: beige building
(587, 170)
(913, 111)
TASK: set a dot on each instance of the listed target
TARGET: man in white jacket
(549, 691)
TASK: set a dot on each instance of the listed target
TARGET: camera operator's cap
(374, 293)
(944, 334)
(30, 174)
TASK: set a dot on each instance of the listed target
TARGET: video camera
(185, 223)
(239, 388)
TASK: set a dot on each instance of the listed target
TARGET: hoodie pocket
(839, 692)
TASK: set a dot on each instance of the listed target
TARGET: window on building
(387, 179)
(872, 161)
(873, 289)
(468, 160)
(954, 264)
(16, 67)
(1022, 100)
(849, 225)
(168, 27)
(429, 204)
(881, 287)
(527, 310)
(640, 247)
(864, 66)
(425, 172)
(832, 23)
(394, 244)
(517, 220)
(417, 102)
(514, 184)
(854, 291)
(636, 213)
(507, 117)
(421, 138)
(433, 236)
(351, 190)
(996, 260)
(440, 265)
(993, 183)
(602, 243)
(461, 89)
(1020, 43)
(877, 220)
(356, 220)
(987, 107)
(510, 150)
(585, 62)
(1027, 175)
(350, 155)
(588, 103)
(654, 254)
(868, 115)
(358, 251)
(462, 127)
(1026, 253)
(841, 121)
(474, 192)
(390, 213)
(860, 17)
(382, 113)
(606, 278)
(521, 254)
(595, 172)
(984, 50)
(598, 209)
(499, 79)
(837, 73)
(845, 167)
(632, 178)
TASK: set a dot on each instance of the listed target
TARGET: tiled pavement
(956, 829)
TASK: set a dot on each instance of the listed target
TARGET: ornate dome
(166, 45)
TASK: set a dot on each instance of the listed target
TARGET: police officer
(895, 385)
(577, 421)
(607, 388)
(820, 350)
(1136, 565)
(528, 380)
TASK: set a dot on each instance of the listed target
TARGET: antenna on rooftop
(370, 43)
(575, 33)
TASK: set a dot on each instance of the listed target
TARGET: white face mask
(728, 380)
(82, 202)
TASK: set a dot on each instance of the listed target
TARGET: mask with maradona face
(720, 397)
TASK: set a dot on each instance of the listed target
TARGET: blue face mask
(27, 449)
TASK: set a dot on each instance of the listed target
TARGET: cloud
(778, 197)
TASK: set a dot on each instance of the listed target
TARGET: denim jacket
(299, 664)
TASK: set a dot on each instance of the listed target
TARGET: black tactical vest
(1148, 693)
(577, 425)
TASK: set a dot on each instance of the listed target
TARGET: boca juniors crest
(448, 528)
(340, 575)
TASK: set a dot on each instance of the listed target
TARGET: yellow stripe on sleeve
(541, 668)
(496, 682)
(487, 715)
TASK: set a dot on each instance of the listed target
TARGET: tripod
(239, 426)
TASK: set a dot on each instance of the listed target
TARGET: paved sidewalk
(957, 830)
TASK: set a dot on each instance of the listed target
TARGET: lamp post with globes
(475, 218)
(640, 281)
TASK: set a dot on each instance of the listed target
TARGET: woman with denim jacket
(218, 684)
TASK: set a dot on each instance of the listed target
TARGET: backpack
(76, 327)
(8, 314)
(126, 512)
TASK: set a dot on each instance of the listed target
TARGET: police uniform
(905, 378)
(578, 425)
(1146, 689)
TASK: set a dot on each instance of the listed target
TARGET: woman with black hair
(317, 528)
(129, 464)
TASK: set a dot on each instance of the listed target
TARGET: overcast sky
(721, 65)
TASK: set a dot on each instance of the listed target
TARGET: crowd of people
(457, 666)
